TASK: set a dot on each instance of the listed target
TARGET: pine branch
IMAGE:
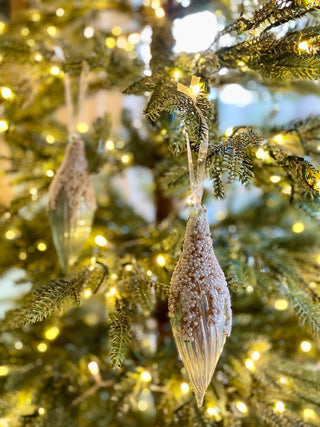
(120, 334)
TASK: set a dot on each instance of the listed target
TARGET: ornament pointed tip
(199, 398)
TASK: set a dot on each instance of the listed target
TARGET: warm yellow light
(110, 42)
(229, 131)
(55, 70)
(121, 42)
(100, 240)
(129, 47)
(279, 406)
(112, 291)
(87, 293)
(212, 411)
(60, 12)
(278, 138)
(50, 139)
(134, 38)
(36, 17)
(310, 414)
(42, 347)
(256, 355)
(22, 255)
(160, 13)
(318, 259)
(93, 368)
(128, 267)
(42, 247)
(4, 126)
(317, 184)
(10, 234)
(41, 411)
(52, 30)
(31, 42)
(143, 405)
(4, 370)
(50, 173)
(6, 92)
(196, 89)
(275, 178)
(303, 46)
(38, 57)
(242, 407)
(155, 4)
(24, 31)
(82, 127)
(283, 380)
(281, 304)
(2, 27)
(262, 154)
(125, 158)
(88, 32)
(250, 364)
(306, 346)
(184, 387)
(249, 289)
(298, 227)
(114, 276)
(110, 145)
(161, 260)
(146, 376)
(52, 333)
(286, 189)
(116, 30)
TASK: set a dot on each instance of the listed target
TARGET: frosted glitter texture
(71, 204)
(199, 304)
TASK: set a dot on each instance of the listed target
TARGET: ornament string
(74, 111)
(196, 181)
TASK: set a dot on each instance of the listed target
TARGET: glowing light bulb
(4, 126)
(10, 234)
(100, 240)
(303, 46)
(50, 173)
(275, 178)
(160, 13)
(112, 292)
(298, 227)
(143, 405)
(212, 411)
(279, 406)
(161, 260)
(60, 12)
(125, 159)
(283, 380)
(256, 355)
(6, 92)
(50, 139)
(146, 376)
(242, 407)
(82, 127)
(110, 42)
(2, 27)
(88, 32)
(185, 388)
(134, 38)
(121, 42)
(249, 289)
(55, 70)
(262, 154)
(25, 31)
(116, 30)
(310, 414)
(35, 17)
(38, 57)
(42, 347)
(110, 145)
(52, 30)
(87, 293)
(196, 89)
(41, 411)
(42, 247)
(305, 346)
(281, 304)
(4, 370)
(93, 368)
(278, 138)
(250, 364)
(52, 333)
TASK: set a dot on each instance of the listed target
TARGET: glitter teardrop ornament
(71, 204)
(199, 304)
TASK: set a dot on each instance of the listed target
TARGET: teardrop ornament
(199, 304)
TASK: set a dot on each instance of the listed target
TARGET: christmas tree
(120, 119)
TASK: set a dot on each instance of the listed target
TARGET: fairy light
(275, 178)
(42, 247)
(6, 92)
(10, 234)
(100, 240)
(242, 407)
(82, 127)
(22, 255)
(2, 27)
(249, 289)
(143, 405)
(4, 370)
(18, 345)
(35, 17)
(161, 260)
(278, 138)
(88, 32)
(283, 380)
(297, 227)
(114, 276)
(110, 42)
(116, 30)
(41, 411)
(304, 46)
(249, 363)
(42, 347)
(4, 126)
(112, 292)
(279, 406)
(87, 293)
(33, 191)
(310, 414)
(50, 139)
(212, 411)
(60, 12)
(52, 30)
(256, 355)
(281, 304)
(25, 31)
(50, 173)
(128, 267)
(125, 159)
(262, 154)
(52, 333)
(160, 13)
(31, 42)
(242, 65)
(305, 346)
(145, 376)
(38, 57)
(185, 388)
(129, 47)
(55, 70)
(93, 368)
(121, 42)
(134, 38)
